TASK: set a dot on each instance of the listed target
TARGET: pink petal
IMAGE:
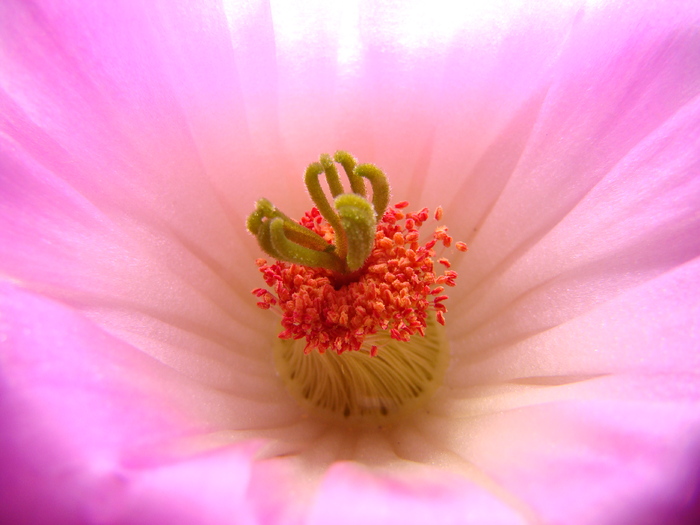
(352, 494)
(116, 210)
(605, 409)
(91, 435)
(636, 224)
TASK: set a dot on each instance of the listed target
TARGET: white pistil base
(357, 389)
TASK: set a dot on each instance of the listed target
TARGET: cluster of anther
(393, 291)
(346, 272)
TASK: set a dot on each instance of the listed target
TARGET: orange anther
(392, 292)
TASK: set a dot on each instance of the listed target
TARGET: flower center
(359, 296)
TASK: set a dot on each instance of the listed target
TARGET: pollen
(393, 292)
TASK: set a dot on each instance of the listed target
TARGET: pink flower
(563, 143)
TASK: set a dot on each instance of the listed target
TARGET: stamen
(392, 291)
(362, 303)
(383, 381)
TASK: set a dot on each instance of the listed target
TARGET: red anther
(373, 351)
(385, 243)
(423, 255)
(444, 262)
(260, 262)
(437, 290)
(263, 306)
(438, 213)
(440, 318)
(379, 268)
(401, 204)
(462, 247)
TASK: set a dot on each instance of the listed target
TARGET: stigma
(359, 293)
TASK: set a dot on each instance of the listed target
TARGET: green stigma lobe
(347, 161)
(357, 219)
(380, 186)
(292, 252)
(313, 185)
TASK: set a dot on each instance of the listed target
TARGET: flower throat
(359, 296)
